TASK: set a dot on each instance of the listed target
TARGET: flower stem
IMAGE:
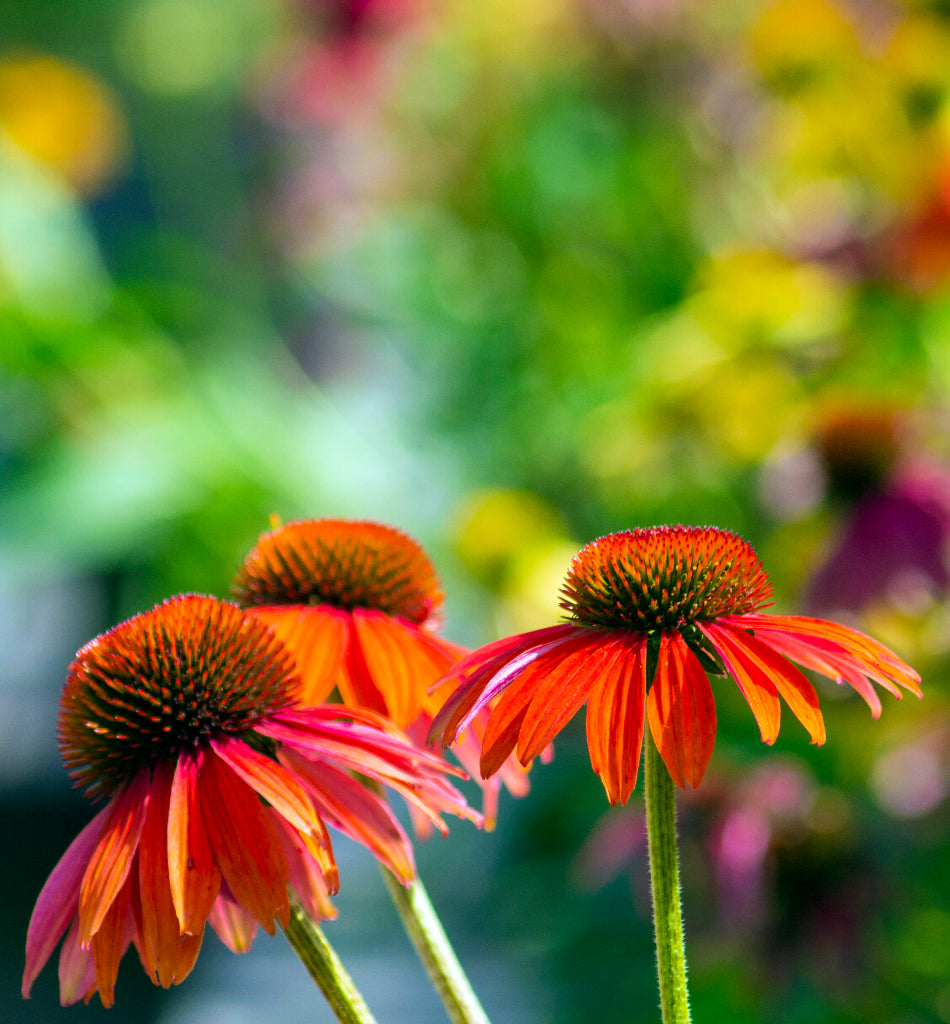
(424, 928)
(324, 966)
(665, 880)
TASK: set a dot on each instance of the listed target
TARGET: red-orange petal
(682, 712)
(797, 692)
(827, 659)
(59, 899)
(110, 941)
(402, 660)
(245, 846)
(271, 781)
(194, 878)
(505, 720)
(233, 925)
(488, 671)
(159, 933)
(757, 688)
(317, 637)
(561, 690)
(870, 656)
(615, 713)
(77, 970)
(306, 876)
(357, 812)
(111, 861)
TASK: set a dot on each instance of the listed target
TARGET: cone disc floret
(341, 563)
(664, 579)
(164, 682)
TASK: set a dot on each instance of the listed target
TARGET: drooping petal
(357, 812)
(561, 688)
(763, 663)
(271, 781)
(234, 926)
(306, 875)
(869, 656)
(402, 661)
(487, 672)
(318, 637)
(166, 953)
(111, 861)
(77, 971)
(682, 712)
(159, 932)
(827, 659)
(194, 878)
(615, 713)
(245, 846)
(756, 686)
(110, 941)
(58, 901)
(504, 728)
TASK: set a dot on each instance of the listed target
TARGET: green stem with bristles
(424, 928)
(665, 883)
(324, 966)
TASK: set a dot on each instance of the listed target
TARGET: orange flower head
(664, 579)
(219, 791)
(357, 603)
(158, 686)
(341, 564)
(653, 613)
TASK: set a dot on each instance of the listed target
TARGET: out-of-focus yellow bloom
(64, 117)
(515, 543)
(745, 409)
(759, 297)
(795, 43)
(918, 58)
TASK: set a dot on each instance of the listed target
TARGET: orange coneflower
(219, 788)
(652, 612)
(358, 604)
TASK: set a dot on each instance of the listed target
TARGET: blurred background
(507, 274)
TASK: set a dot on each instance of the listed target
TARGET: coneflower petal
(757, 688)
(58, 901)
(561, 689)
(318, 636)
(159, 933)
(111, 860)
(244, 844)
(194, 878)
(615, 716)
(358, 813)
(763, 663)
(233, 924)
(682, 712)
(270, 780)
(110, 941)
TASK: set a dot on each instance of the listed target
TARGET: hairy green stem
(665, 882)
(424, 928)
(324, 966)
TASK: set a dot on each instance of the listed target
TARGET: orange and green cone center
(340, 563)
(163, 683)
(664, 579)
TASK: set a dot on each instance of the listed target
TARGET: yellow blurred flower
(798, 42)
(64, 117)
(756, 296)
